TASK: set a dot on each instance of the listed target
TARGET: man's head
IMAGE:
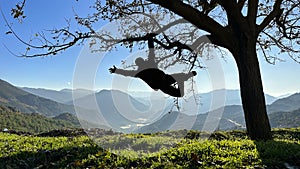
(139, 61)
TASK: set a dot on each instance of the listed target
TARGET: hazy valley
(113, 109)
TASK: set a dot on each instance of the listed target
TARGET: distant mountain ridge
(232, 97)
(29, 103)
(286, 104)
(126, 113)
(232, 118)
(284, 112)
(112, 108)
(64, 96)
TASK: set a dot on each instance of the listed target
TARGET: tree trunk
(253, 99)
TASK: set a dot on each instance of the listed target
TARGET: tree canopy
(277, 25)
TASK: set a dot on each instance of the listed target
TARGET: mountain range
(29, 103)
(134, 113)
(64, 96)
(284, 112)
(232, 97)
(232, 117)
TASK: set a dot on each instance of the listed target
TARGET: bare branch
(275, 12)
(160, 29)
(200, 20)
(265, 55)
(286, 25)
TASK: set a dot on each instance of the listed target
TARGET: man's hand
(113, 69)
(194, 73)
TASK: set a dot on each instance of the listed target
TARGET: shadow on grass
(281, 152)
(60, 158)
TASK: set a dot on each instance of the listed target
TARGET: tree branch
(234, 15)
(194, 16)
(241, 4)
(288, 26)
(252, 12)
(275, 12)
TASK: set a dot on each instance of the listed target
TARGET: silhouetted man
(172, 85)
(147, 70)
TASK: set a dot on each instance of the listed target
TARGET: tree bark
(253, 99)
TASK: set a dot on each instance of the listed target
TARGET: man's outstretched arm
(131, 73)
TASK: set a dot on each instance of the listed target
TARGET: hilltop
(33, 122)
(29, 103)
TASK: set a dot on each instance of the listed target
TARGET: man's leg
(181, 77)
(172, 91)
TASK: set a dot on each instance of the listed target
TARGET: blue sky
(56, 72)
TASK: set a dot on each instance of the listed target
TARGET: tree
(243, 27)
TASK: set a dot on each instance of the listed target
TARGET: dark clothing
(157, 79)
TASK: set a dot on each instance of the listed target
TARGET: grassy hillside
(68, 117)
(287, 104)
(285, 119)
(221, 150)
(33, 123)
(29, 103)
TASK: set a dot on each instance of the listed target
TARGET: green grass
(161, 150)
